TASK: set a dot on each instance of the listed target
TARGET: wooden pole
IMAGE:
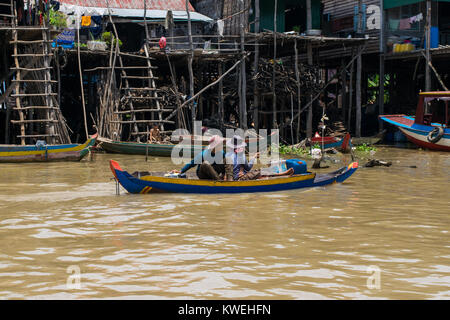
(221, 106)
(381, 92)
(243, 113)
(190, 60)
(358, 76)
(343, 90)
(428, 43)
(382, 68)
(310, 108)
(146, 146)
(309, 53)
(274, 95)
(350, 97)
(299, 100)
(18, 77)
(255, 70)
(7, 110)
(81, 81)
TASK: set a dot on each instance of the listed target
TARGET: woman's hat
(236, 142)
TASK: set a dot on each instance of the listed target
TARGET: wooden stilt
(256, 97)
(243, 111)
(358, 76)
(350, 97)
(343, 90)
(428, 43)
(220, 94)
(381, 92)
(190, 61)
(274, 95)
(299, 98)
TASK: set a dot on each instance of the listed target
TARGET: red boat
(342, 144)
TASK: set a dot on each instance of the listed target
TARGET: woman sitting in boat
(209, 165)
(242, 169)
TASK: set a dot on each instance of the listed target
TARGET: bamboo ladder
(40, 77)
(139, 94)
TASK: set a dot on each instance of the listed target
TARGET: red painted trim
(420, 111)
(114, 165)
(428, 145)
(346, 142)
(324, 139)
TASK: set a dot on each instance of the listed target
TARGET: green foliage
(107, 36)
(373, 83)
(56, 18)
(365, 148)
(316, 146)
(292, 150)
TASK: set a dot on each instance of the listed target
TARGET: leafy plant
(107, 36)
(292, 150)
(365, 148)
(373, 83)
(56, 18)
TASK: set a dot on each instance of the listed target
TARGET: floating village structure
(74, 67)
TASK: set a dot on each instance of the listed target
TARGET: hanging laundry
(85, 21)
(220, 27)
(416, 18)
(71, 22)
(97, 20)
(393, 24)
(404, 24)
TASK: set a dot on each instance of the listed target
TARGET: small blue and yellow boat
(42, 152)
(157, 182)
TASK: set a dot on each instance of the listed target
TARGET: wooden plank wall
(231, 7)
(341, 12)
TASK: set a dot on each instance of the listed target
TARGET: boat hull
(154, 184)
(417, 133)
(64, 152)
(343, 144)
(151, 149)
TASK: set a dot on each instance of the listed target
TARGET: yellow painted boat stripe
(248, 183)
(42, 152)
(441, 93)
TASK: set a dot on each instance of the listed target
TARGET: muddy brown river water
(384, 233)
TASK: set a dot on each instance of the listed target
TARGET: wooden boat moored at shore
(45, 152)
(157, 182)
(342, 144)
(428, 130)
(136, 148)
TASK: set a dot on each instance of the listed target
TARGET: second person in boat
(242, 169)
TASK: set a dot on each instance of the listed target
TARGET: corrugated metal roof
(159, 14)
(178, 5)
